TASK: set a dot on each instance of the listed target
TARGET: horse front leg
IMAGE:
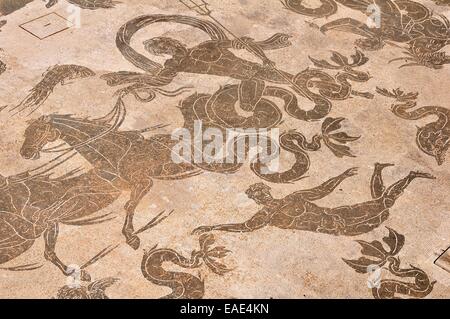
(138, 191)
(50, 237)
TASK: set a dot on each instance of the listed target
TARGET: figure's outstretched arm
(249, 44)
(258, 221)
(324, 189)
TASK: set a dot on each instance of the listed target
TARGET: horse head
(75, 132)
(38, 133)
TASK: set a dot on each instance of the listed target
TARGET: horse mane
(78, 122)
(117, 115)
(89, 130)
(105, 122)
(86, 120)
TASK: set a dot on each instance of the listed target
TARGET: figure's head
(80, 72)
(259, 192)
(164, 45)
(38, 133)
(433, 142)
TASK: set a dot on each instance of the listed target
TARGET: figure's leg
(258, 221)
(139, 190)
(396, 189)
(376, 183)
(364, 217)
(50, 237)
(324, 189)
(250, 93)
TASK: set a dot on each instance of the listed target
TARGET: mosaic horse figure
(33, 205)
(125, 159)
(130, 162)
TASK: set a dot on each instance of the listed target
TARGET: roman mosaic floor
(225, 149)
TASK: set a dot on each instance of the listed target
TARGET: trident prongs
(201, 8)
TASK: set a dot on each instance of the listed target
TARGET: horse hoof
(84, 276)
(134, 242)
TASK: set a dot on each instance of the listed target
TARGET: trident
(201, 8)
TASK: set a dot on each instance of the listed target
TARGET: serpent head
(433, 141)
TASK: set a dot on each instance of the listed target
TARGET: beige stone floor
(269, 262)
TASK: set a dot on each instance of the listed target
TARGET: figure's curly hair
(165, 45)
(257, 187)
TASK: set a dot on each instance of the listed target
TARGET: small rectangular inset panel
(443, 260)
(47, 25)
